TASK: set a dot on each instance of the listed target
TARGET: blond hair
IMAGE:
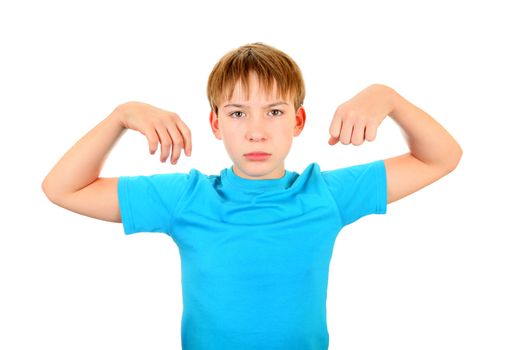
(268, 63)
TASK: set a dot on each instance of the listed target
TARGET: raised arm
(74, 182)
(433, 151)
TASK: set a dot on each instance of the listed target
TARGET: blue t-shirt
(255, 254)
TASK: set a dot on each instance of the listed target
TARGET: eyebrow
(270, 105)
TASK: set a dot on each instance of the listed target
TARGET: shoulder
(163, 182)
(374, 170)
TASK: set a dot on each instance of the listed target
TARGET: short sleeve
(148, 203)
(358, 190)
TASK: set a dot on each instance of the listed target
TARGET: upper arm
(98, 200)
(406, 174)
(358, 190)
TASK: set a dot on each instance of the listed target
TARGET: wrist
(119, 115)
(388, 96)
(392, 101)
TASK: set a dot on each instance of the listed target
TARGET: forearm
(427, 140)
(81, 165)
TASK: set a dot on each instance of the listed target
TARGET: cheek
(287, 132)
(286, 138)
(231, 138)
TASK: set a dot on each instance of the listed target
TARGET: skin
(257, 127)
(433, 152)
(74, 182)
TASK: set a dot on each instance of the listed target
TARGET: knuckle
(177, 142)
(158, 123)
(352, 114)
(173, 115)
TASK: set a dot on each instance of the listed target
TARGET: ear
(300, 120)
(215, 127)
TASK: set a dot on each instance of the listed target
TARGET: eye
(276, 110)
(234, 114)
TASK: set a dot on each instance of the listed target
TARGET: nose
(255, 131)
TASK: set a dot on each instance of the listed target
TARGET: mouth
(257, 156)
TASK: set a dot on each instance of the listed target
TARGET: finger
(333, 140)
(335, 129)
(176, 142)
(346, 131)
(358, 134)
(165, 143)
(153, 140)
(370, 132)
(186, 135)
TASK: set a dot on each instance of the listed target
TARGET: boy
(256, 240)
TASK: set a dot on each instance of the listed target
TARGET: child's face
(255, 126)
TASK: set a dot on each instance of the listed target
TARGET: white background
(444, 269)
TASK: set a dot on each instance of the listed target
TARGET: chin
(256, 169)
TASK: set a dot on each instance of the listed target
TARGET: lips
(257, 156)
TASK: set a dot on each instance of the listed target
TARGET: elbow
(453, 158)
(449, 161)
(457, 154)
(51, 194)
(44, 186)
(47, 191)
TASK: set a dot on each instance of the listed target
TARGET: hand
(358, 118)
(158, 125)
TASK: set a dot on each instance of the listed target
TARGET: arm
(433, 151)
(74, 182)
